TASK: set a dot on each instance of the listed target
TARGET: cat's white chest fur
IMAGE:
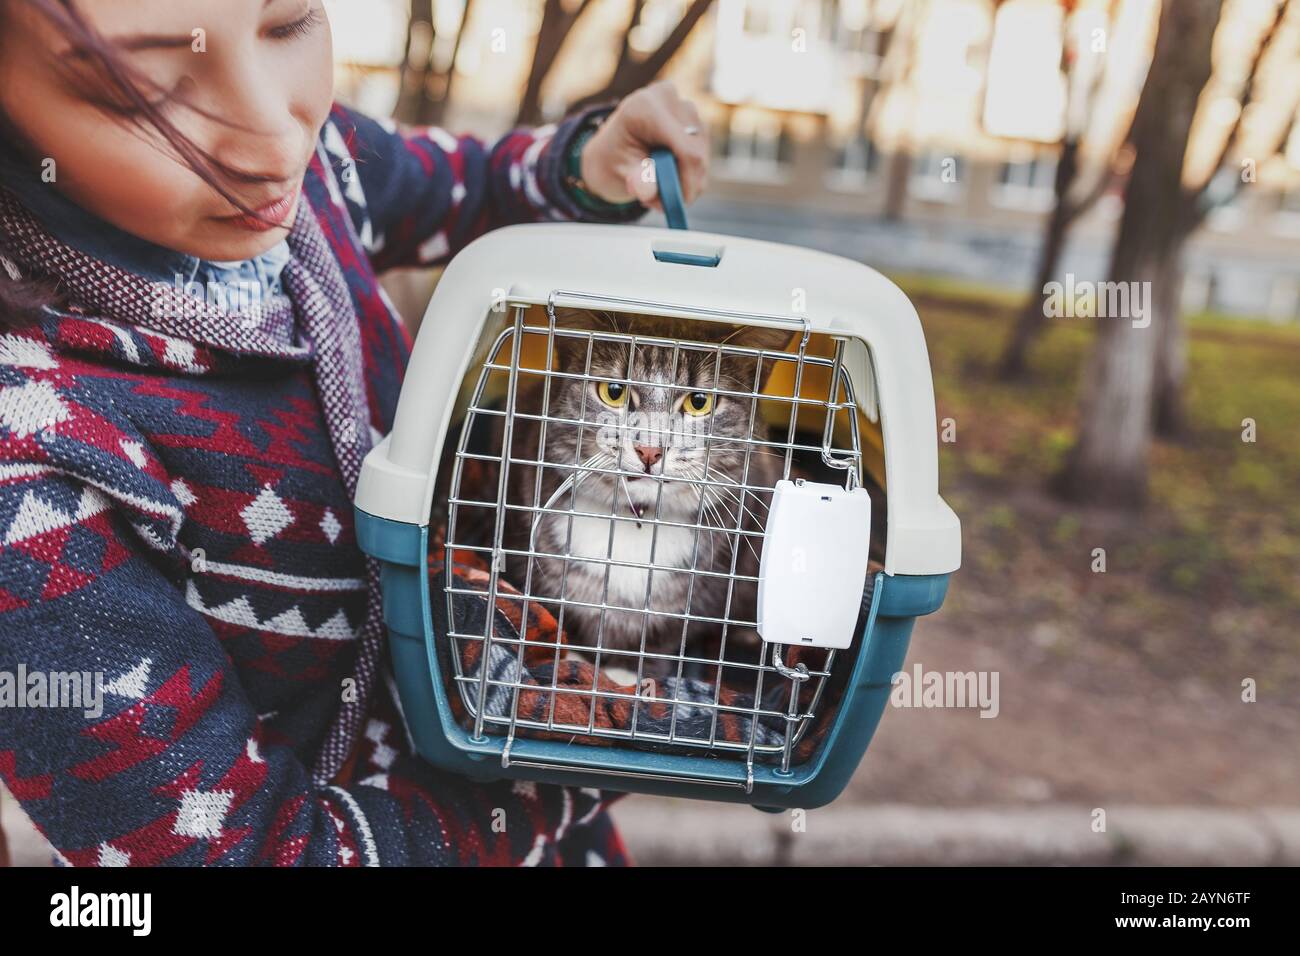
(633, 544)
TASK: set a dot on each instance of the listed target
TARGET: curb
(663, 832)
(678, 832)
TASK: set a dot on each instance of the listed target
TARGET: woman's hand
(615, 162)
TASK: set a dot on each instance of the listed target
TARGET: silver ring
(691, 130)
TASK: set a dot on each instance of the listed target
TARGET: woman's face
(263, 68)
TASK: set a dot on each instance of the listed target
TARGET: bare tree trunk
(1014, 363)
(1108, 465)
(871, 86)
(631, 74)
(1170, 413)
(439, 111)
(897, 62)
(556, 24)
(900, 171)
(625, 60)
(414, 101)
(1169, 409)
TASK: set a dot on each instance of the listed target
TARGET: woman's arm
(172, 764)
(417, 196)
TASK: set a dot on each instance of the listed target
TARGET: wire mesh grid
(711, 683)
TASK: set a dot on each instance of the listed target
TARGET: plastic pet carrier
(657, 512)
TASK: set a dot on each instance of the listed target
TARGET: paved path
(689, 832)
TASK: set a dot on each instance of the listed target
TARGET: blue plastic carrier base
(418, 656)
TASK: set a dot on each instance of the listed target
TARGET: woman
(195, 355)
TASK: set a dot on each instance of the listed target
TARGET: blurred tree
(897, 178)
(1220, 186)
(424, 91)
(898, 63)
(632, 72)
(1072, 195)
(1108, 465)
(1133, 384)
(874, 80)
(557, 21)
(415, 95)
(440, 105)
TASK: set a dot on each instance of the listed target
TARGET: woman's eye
(613, 394)
(298, 28)
(698, 403)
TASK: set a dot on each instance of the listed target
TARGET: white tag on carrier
(814, 564)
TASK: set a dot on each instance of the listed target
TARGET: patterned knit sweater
(172, 517)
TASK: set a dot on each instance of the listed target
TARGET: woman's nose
(267, 159)
(261, 141)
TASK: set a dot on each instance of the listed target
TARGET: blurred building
(917, 135)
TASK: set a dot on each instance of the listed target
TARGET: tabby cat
(656, 437)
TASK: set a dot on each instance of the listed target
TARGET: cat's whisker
(715, 509)
(744, 501)
(575, 479)
(701, 526)
(569, 485)
(766, 452)
(753, 453)
(732, 532)
(719, 507)
(627, 493)
(733, 496)
(583, 471)
(721, 476)
(699, 494)
(732, 515)
(720, 526)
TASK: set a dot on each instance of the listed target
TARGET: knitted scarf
(318, 300)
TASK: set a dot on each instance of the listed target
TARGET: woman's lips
(270, 216)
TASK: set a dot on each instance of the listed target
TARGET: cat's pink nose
(649, 454)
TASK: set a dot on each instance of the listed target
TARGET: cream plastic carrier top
(623, 268)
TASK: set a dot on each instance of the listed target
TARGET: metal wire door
(772, 702)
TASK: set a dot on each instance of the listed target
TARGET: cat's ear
(572, 349)
(760, 337)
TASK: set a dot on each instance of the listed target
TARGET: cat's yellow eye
(613, 394)
(697, 403)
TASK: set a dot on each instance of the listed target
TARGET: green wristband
(578, 189)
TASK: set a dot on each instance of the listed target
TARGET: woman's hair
(128, 90)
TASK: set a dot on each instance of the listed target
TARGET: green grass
(1207, 579)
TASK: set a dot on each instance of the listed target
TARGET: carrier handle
(670, 187)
